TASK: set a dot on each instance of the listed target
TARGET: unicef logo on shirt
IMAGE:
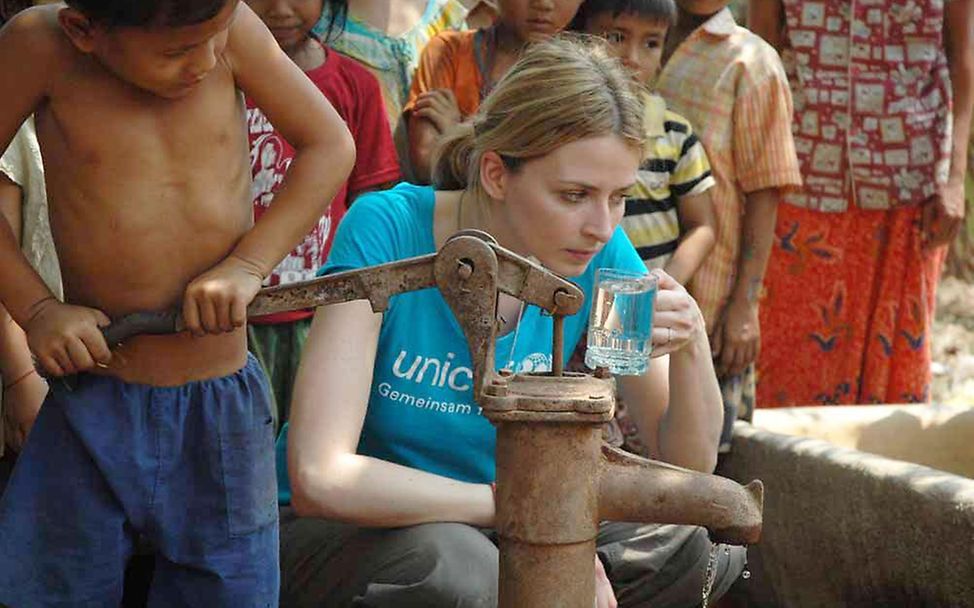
(535, 362)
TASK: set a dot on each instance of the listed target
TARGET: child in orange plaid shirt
(731, 86)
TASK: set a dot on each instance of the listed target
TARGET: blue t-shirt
(421, 410)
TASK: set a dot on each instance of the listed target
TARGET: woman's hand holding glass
(677, 320)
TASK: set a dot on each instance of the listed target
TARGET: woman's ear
(79, 29)
(493, 175)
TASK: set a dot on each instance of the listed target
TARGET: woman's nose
(601, 222)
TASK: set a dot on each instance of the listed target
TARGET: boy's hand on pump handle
(216, 301)
(66, 339)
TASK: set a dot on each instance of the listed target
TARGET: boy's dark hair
(9, 8)
(657, 10)
(148, 13)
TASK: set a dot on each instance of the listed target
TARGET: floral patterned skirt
(848, 308)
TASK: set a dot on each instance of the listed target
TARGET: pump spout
(636, 489)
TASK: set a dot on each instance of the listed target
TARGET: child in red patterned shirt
(277, 340)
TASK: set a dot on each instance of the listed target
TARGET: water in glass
(620, 326)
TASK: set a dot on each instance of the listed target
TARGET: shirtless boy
(140, 118)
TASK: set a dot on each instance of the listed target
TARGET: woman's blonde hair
(560, 91)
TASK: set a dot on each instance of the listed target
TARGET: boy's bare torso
(145, 194)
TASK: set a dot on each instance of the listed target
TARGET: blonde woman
(389, 500)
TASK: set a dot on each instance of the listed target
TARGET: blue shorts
(189, 469)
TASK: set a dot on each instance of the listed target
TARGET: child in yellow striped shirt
(669, 217)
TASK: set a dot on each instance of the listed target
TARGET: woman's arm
(677, 403)
(328, 478)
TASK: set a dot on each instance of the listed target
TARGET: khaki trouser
(327, 563)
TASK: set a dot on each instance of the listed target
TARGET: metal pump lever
(460, 262)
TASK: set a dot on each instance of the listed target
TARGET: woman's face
(563, 207)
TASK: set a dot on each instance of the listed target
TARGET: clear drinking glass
(620, 327)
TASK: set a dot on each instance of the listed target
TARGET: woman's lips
(581, 254)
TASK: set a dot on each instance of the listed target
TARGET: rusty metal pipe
(546, 513)
(558, 345)
(556, 481)
(634, 489)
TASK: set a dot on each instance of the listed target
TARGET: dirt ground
(953, 343)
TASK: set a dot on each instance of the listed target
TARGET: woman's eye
(573, 196)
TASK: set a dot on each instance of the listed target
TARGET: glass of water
(620, 328)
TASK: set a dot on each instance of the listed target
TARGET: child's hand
(737, 338)
(22, 400)
(438, 106)
(943, 215)
(216, 301)
(67, 339)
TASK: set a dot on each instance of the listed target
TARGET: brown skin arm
(423, 136)
(434, 113)
(943, 217)
(64, 338)
(764, 18)
(737, 336)
(28, 56)
(699, 228)
(23, 389)
(324, 156)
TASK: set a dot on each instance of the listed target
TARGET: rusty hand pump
(556, 479)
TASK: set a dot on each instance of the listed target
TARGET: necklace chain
(517, 330)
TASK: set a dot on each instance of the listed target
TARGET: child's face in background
(636, 40)
(290, 21)
(535, 20)
(702, 7)
(166, 61)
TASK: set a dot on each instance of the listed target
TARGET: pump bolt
(464, 269)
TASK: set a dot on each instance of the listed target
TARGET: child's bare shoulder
(37, 33)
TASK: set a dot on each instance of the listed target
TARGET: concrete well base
(843, 527)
